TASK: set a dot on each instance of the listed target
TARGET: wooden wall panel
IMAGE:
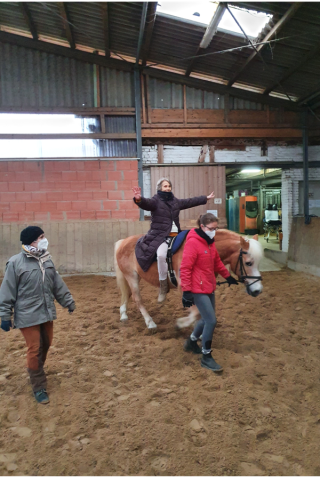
(243, 116)
(77, 247)
(206, 116)
(173, 115)
(213, 117)
(194, 181)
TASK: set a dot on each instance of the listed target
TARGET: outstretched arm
(192, 202)
(144, 203)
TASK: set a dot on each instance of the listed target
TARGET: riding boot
(163, 290)
(191, 346)
(208, 362)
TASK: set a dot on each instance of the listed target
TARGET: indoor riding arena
(97, 98)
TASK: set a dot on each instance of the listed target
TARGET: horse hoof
(124, 318)
(152, 327)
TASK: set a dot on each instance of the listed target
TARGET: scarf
(202, 234)
(40, 255)
(33, 250)
(165, 196)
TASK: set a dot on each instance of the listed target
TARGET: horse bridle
(243, 273)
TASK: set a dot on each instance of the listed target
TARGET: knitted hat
(30, 234)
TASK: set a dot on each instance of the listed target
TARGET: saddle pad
(178, 241)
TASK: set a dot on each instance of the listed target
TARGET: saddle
(174, 243)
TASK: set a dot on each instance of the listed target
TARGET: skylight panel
(202, 12)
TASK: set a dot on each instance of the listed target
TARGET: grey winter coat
(163, 213)
(29, 287)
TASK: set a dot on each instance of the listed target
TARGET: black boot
(191, 346)
(208, 362)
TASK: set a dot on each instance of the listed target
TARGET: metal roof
(175, 40)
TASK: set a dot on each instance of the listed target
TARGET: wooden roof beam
(208, 35)
(66, 23)
(106, 30)
(273, 32)
(295, 68)
(29, 20)
(151, 19)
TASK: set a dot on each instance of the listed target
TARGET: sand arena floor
(124, 402)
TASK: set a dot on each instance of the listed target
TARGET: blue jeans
(205, 303)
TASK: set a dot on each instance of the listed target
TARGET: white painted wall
(190, 154)
(150, 154)
(275, 154)
(290, 198)
(176, 154)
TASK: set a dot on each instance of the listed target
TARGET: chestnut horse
(243, 256)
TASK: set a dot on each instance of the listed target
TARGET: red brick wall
(67, 190)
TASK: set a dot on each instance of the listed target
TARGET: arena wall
(304, 246)
(76, 246)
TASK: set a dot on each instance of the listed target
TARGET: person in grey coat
(29, 288)
(165, 209)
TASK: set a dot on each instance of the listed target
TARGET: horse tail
(121, 280)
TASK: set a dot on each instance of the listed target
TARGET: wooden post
(160, 153)
(203, 153)
(103, 123)
(185, 105)
(143, 100)
(211, 154)
(226, 108)
(148, 100)
(280, 240)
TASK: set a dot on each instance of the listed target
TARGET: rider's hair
(206, 219)
(161, 180)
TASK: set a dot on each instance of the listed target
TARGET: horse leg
(125, 294)
(193, 315)
(123, 286)
(133, 281)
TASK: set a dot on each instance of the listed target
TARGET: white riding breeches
(162, 261)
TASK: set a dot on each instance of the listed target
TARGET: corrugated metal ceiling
(174, 40)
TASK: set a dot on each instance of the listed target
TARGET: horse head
(245, 264)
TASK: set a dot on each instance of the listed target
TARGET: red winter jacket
(199, 264)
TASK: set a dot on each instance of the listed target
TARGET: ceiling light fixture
(251, 170)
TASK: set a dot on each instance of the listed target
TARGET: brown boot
(163, 290)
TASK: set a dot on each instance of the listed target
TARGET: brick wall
(67, 190)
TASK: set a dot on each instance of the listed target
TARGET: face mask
(43, 244)
(210, 234)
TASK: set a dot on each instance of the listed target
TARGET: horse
(241, 254)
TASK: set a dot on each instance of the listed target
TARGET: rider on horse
(165, 209)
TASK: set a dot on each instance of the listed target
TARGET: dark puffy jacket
(163, 213)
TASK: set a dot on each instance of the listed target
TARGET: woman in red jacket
(199, 264)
